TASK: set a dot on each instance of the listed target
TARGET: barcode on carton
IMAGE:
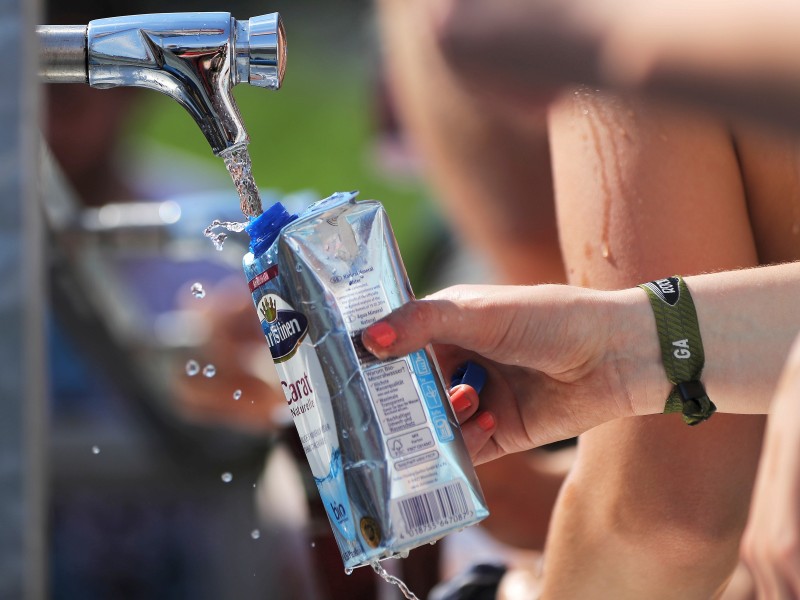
(440, 508)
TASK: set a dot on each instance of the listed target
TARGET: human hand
(560, 360)
(245, 392)
(771, 542)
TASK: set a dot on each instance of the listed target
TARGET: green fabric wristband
(681, 348)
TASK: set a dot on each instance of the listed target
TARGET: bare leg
(490, 170)
(653, 508)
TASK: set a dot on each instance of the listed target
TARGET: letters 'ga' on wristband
(681, 348)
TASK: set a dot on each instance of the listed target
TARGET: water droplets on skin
(240, 166)
(237, 394)
(95, 449)
(407, 593)
(226, 477)
(218, 239)
(198, 291)
(255, 534)
(209, 371)
(192, 368)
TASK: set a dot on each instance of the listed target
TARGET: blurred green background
(318, 132)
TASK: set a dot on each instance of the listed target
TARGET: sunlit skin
(638, 188)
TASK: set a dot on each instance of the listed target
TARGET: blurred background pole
(22, 362)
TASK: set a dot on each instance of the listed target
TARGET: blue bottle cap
(264, 229)
(470, 373)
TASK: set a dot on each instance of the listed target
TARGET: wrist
(636, 352)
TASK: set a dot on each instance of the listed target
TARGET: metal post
(22, 366)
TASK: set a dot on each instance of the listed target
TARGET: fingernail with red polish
(460, 399)
(486, 421)
(382, 334)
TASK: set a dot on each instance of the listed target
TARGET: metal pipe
(62, 53)
(195, 58)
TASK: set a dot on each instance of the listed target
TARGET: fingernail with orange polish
(382, 334)
(460, 399)
(486, 421)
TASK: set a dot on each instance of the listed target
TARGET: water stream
(237, 160)
(388, 577)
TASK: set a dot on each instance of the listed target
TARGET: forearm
(748, 320)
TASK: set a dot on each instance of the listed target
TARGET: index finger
(459, 318)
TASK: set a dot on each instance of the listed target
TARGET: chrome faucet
(195, 58)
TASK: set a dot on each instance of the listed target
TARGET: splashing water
(192, 368)
(209, 371)
(218, 239)
(237, 394)
(226, 477)
(237, 160)
(198, 291)
(386, 576)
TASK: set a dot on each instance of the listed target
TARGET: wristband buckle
(696, 406)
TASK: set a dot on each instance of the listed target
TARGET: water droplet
(345, 434)
(237, 394)
(313, 544)
(95, 449)
(298, 267)
(255, 534)
(192, 368)
(209, 371)
(227, 477)
(605, 251)
(198, 291)
(348, 571)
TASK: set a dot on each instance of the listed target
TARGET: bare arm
(561, 345)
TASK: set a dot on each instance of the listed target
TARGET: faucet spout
(195, 58)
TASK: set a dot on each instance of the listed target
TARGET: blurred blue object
(470, 373)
